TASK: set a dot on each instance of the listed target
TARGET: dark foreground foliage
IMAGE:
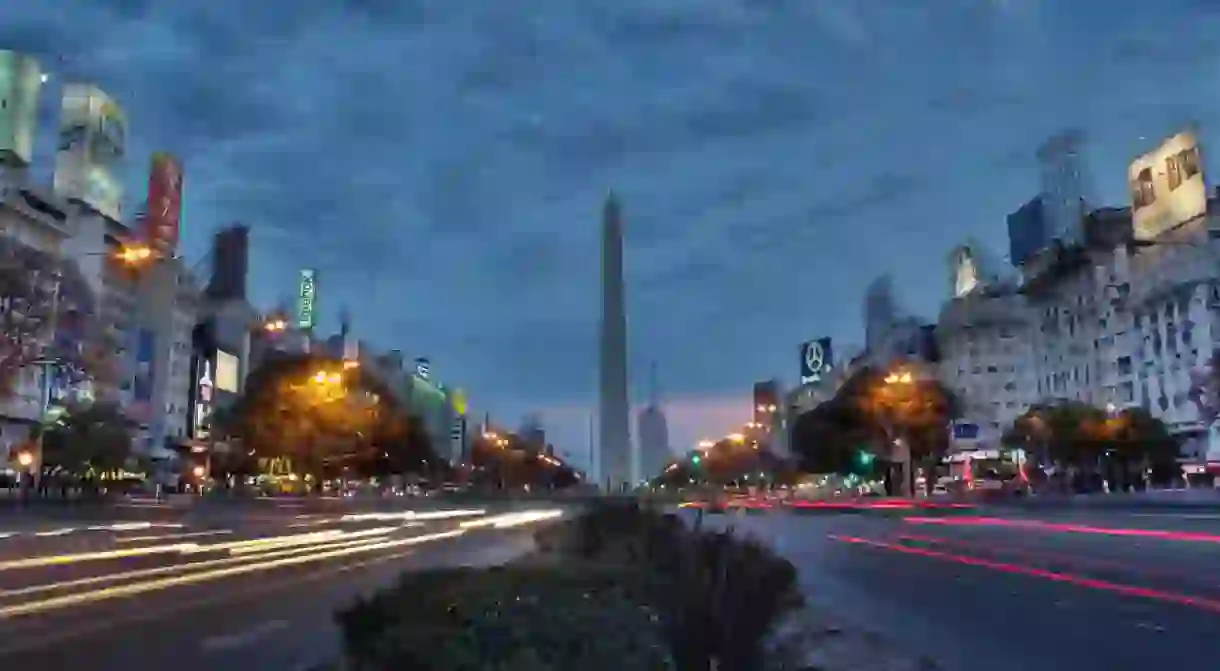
(620, 587)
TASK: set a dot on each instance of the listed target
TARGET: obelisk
(614, 437)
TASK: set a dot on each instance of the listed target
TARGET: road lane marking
(243, 639)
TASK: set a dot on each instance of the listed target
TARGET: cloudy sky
(443, 163)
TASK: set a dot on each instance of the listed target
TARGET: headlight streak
(508, 520)
(413, 515)
(167, 537)
(245, 557)
(53, 603)
(177, 568)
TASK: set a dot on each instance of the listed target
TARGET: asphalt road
(241, 593)
(1070, 591)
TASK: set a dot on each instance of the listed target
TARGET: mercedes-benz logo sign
(814, 356)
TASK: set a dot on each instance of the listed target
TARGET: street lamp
(275, 326)
(25, 458)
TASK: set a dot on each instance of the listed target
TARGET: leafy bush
(622, 587)
(508, 619)
(719, 595)
(612, 532)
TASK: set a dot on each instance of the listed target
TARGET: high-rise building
(230, 263)
(653, 431)
(1065, 186)
(161, 388)
(614, 433)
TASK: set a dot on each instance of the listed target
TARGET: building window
(1142, 191)
(1174, 174)
(1188, 162)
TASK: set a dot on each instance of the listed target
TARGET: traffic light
(697, 459)
(863, 462)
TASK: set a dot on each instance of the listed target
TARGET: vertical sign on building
(20, 83)
(204, 399)
(457, 437)
(162, 222)
(306, 294)
(143, 380)
(92, 145)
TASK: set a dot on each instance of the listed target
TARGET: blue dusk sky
(443, 164)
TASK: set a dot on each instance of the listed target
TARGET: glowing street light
(736, 438)
(25, 458)
(134, 254)
(899, 377)
(275, 326)
(707, 444)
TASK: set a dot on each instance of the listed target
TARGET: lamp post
(132, 256)
(899, 381)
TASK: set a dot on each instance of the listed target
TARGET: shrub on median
(620, 586)
(517, 618)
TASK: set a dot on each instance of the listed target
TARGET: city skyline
(450, 224)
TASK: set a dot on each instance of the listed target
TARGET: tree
(1069, 433)
(30, 280)
(322, 418)
(1090, 443)
(87, 441)
(865, 416)
(1138, 442)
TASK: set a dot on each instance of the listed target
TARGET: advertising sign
(964, 270)
(227, 367)
(1168, 187)
(816, 359)
(162, 222)
(20, 83)
(92, 144)
(306, 293)
(201, 427)
(460, 402)
(142, 382)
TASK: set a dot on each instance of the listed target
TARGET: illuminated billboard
(92, 144)
(816, 360)
(306, 293)
(162, 221)
(1168, 187)
(20, 83)
(228, 369)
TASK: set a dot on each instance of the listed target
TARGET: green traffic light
(696, 459)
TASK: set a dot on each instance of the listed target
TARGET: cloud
(444, 164)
